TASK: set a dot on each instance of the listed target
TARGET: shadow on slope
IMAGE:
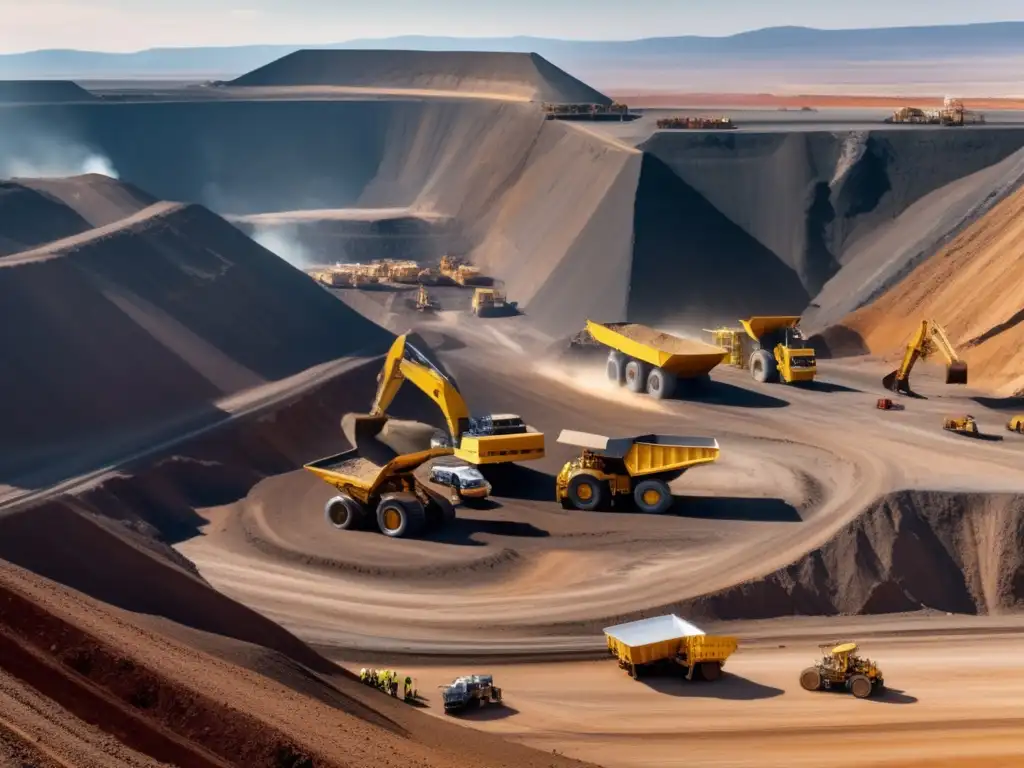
(913, 550)
(160, 315)
(98, 199)
(692, 265)
(29, 217)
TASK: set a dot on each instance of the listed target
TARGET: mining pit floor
(513, 587)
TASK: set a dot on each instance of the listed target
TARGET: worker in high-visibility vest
(409, 692)
(363, 675)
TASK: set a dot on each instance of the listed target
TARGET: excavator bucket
(893, 383)
(360, 428)
(956, 373)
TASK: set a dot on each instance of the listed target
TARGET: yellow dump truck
(772, 348)
(611, 470)
(379, 488)
(665, 640)
(646, 360)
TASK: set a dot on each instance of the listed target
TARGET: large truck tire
(710, 670)
(616, 367)
(588, 493)
(636, 376)
(810, 679)
(345, 513)
(860, 686)
(652, 496)
(763, 367)
(661, 384)
(439, 512)
(401, 516)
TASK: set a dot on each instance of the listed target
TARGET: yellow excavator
(929, 338)
(490, 439)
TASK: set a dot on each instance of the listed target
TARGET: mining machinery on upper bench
(929, 338)
(772, 348)
(490, 439)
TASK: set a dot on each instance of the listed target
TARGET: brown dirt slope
(98, 199)
(517, 75)
(971, 287)
(153, 318)
(30, 217)
(142, 692)
(954, 552)
(42, 91)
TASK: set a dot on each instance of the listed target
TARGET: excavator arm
(929, 337)
(405, 362)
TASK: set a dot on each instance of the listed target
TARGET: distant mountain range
(640, 62)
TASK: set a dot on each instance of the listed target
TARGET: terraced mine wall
(913, 550)
(687, 229)
(815, 198)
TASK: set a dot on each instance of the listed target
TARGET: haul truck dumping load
(628, 468)
(491, 439)
(772, 348)
(929, 338)
(669, 640)
(378, 487)
(646, 360)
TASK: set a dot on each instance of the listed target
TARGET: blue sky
(126, 25)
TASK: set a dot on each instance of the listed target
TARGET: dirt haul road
(527, 577)
(944, 708)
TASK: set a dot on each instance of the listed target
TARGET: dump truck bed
(666, 637)
(647, 454)
(683, 357)
(349, 470)
(346, 467)
(756, 327)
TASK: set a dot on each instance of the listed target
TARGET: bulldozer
(491, 302)
(772, 348)
(962, 425)
(477, 440)
(459, 272)
(424, 302)
(929, 338)
(842, 668)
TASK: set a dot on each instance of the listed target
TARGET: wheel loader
(841, 668)
(771, 348)
(929, 338)
(962, 425)
(612, 471)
